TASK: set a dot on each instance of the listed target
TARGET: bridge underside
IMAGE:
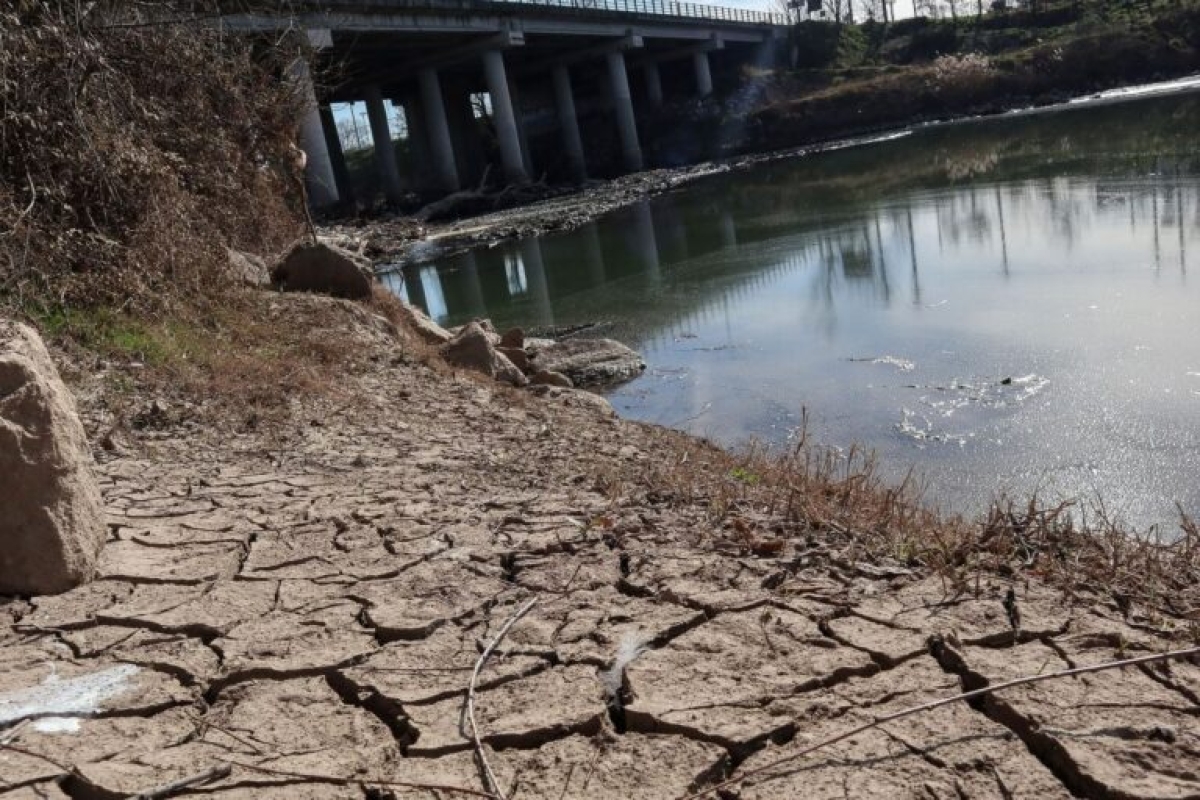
(521, 92)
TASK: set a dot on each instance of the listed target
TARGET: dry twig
(360, 780)
(492, 784)
(174, 787)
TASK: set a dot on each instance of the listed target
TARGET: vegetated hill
(858, 77)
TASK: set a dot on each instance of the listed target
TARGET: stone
(51, 513)
(248, 269)
(472, 348)
(547, 377)
(514, 338)
(323, 269)
(589, 362)
(516, 355)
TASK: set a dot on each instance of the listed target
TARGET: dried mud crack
(306, 603)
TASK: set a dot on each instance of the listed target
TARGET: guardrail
(663, 8)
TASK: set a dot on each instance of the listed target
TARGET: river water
(1003, 304)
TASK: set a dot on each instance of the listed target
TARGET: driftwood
(492, 784)
(445, 205)
(908, 712)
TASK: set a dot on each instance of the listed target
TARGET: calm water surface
(1001, 305)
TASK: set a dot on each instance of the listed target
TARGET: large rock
(51, 514)
(325, 269)
(587, 362)
(420, 324)
(472, 348)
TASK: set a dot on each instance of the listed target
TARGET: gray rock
(514, 338)
(589, 362)
(516, 355)
(472, 349)
(423, 326)
(324, 269)
(51, 513)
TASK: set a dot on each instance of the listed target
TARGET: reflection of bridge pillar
(319, 180)
(535, 279)
(385, 151)
(414, 288)
(704, 86)
(502, 113)
(654, 85)
(631, 149)
(337, 158)
(438, 129)
(644, 239)
(568, 121)
(470, 272)
(593, 253)
(728, 229)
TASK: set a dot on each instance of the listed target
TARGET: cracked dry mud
(308, 608)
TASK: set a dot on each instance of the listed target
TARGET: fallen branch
(174, 787)
(908, 712)
(492, 784)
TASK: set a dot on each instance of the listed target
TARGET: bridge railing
(664, 8)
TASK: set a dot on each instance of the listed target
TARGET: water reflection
(1023, 249)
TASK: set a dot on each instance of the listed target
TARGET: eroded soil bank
(305, 601)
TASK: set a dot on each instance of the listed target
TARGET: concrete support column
(631, 149)
(337, 158)
(506, 121)
(385, 151)
(418, 142)
(319, 180)
(704, 85)
(568, 121)
(440, 147)
(654, 85)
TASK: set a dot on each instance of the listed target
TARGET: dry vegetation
(133, 150)
(764, 497)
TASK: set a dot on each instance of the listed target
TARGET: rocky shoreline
(297, 611)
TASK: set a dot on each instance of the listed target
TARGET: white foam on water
(56, 704)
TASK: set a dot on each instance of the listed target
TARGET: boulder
(589, 362)
(51, 513)
(576, 398)
(324, 269)
(472, 348)
(547, 378)
(248, 269)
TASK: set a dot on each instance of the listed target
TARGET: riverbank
(303, 599)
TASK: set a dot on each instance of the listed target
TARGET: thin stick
(166, 790)
(367, 780)
(908, 712)
(492, 784)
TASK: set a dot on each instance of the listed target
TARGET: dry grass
(133, 152)
(763, 499)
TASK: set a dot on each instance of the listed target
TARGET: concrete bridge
(564, 82)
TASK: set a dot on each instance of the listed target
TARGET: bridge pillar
(654, 85)
(704, 85)
(319, 181)
(631, 149)
(418, 141)
(337, 158)
(440, 146)
(568, 121)
(506, 122)
(385, 151)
